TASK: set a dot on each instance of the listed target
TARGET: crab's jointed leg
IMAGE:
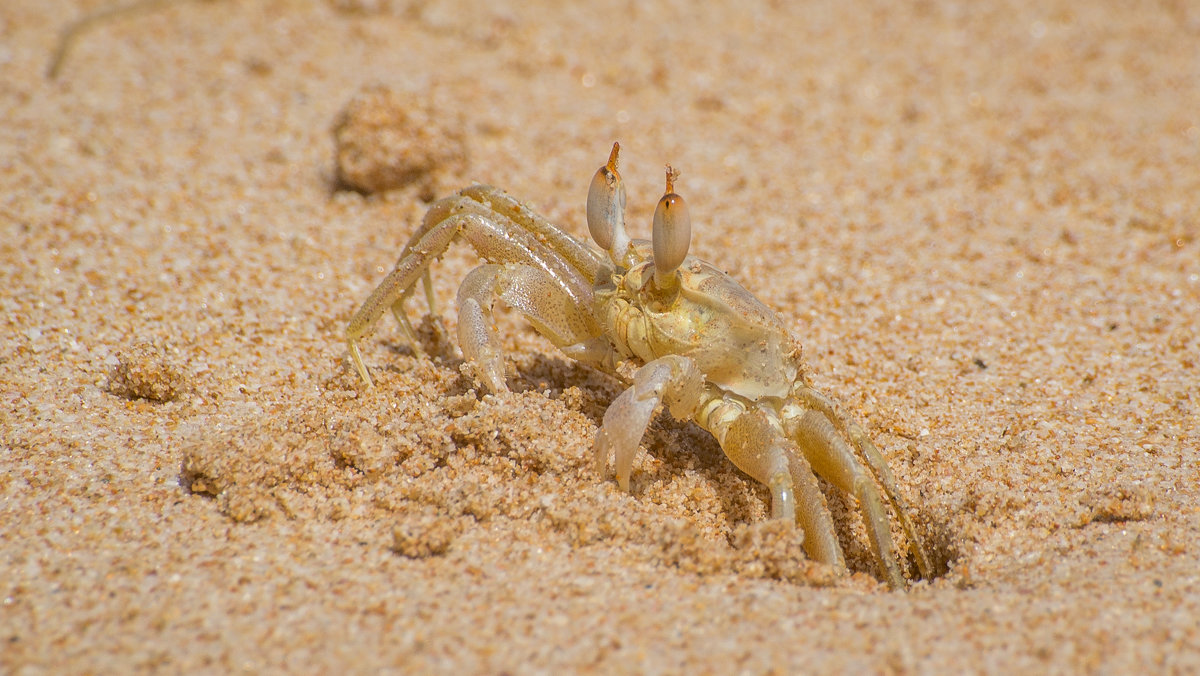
(500, 231)
(748, 437)
(874, 461)
(832, 458)
(756, 445)
(531, 292)
(497, 203)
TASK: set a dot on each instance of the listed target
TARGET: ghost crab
(704, 346)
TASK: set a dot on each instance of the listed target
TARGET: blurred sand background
(982, 220)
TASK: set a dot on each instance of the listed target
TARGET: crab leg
(748, 438)
(493, 236)
(535, 295)
(496, 205)
(582, 257)
(832, 458)
(874, 461)
(760, 449)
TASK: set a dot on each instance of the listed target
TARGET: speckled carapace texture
(981, 220)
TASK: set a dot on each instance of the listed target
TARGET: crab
(702, 346)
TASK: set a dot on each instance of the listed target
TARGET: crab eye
(672, 232)
(602, 208)
(606, 208)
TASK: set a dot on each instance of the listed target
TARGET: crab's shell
(734, 339)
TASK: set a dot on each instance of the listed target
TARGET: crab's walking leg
(494, 204)
(390, 292)
(832, 458)
(529, 291)
(760, 449)
(581, 256)
(494, 237)
(874, 461)
(673, 380)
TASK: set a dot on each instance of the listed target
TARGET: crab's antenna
(672, 234)
(606, 208)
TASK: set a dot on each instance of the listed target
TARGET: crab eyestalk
(672, 235)
(606, 209)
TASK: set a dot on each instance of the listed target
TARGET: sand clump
(387, 140)
(148, 371)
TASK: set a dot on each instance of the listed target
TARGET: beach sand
(982, 222)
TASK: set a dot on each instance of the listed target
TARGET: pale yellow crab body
(701, 345)
(734, 340)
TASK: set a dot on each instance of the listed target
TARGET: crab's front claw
(673, 380)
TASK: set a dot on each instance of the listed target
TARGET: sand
(981, 221)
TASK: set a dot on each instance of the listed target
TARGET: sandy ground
(982, 224)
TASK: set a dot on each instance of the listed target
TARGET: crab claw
(672, 234)
(606, 209)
